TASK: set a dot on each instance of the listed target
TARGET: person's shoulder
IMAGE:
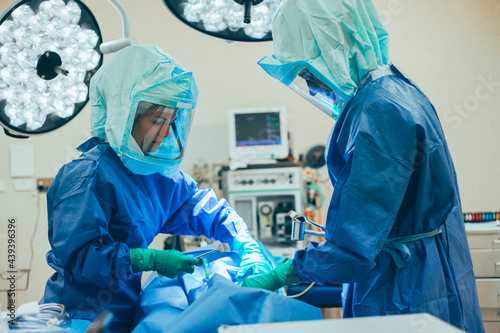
(95, 149)
(89, 162)
(97, 166)
(379, 110)
(396, 90)
(74, 177)
(390, 99)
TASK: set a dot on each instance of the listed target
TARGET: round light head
(49, 50)
(226, 18)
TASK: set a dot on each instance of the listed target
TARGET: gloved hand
(252, 258)
(165, 262)
(282, 276)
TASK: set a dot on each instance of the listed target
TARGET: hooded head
(324, 48)
(142, 102)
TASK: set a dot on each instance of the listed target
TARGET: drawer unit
(485, 253)
(490, 315)
(484, 239)
(488, 291)
(486, 262)
(492, 327)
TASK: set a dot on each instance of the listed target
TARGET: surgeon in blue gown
(395, 235)
(107, 206)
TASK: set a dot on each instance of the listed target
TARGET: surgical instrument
(299, 226)
(221, 247)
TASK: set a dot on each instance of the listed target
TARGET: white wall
(449, 48)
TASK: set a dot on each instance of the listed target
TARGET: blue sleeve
(203, 214)
(368, 194)
(78, 229)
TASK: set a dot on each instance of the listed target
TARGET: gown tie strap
(399, 252)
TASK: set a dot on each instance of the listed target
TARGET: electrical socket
(42, 184)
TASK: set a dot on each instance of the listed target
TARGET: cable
(50, 318)
(302, 293)
(34, 230)
(22, 272)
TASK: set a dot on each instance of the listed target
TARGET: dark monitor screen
(256, 129)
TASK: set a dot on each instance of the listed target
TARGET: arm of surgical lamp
(118, 44)
(299, 226)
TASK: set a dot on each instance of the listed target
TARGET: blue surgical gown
(393, 176)
(98, 209)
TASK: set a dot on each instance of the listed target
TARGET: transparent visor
(160, 131)
(307, 85)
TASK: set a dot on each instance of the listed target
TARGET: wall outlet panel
(43, 184)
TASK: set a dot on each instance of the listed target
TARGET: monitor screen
(257, 129)
(258, 134)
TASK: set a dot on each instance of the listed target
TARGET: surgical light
(49, 50)
(233, 20)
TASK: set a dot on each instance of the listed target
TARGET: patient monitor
(258, 135)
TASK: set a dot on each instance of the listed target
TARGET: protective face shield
(313, 89)
(144, 110)
(157, 135)
(160, 131)
(324, 48)
(308, 82)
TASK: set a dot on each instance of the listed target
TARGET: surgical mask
(171, 144)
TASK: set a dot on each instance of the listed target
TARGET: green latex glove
(252, 259)
(282, 276)
(165, 262)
